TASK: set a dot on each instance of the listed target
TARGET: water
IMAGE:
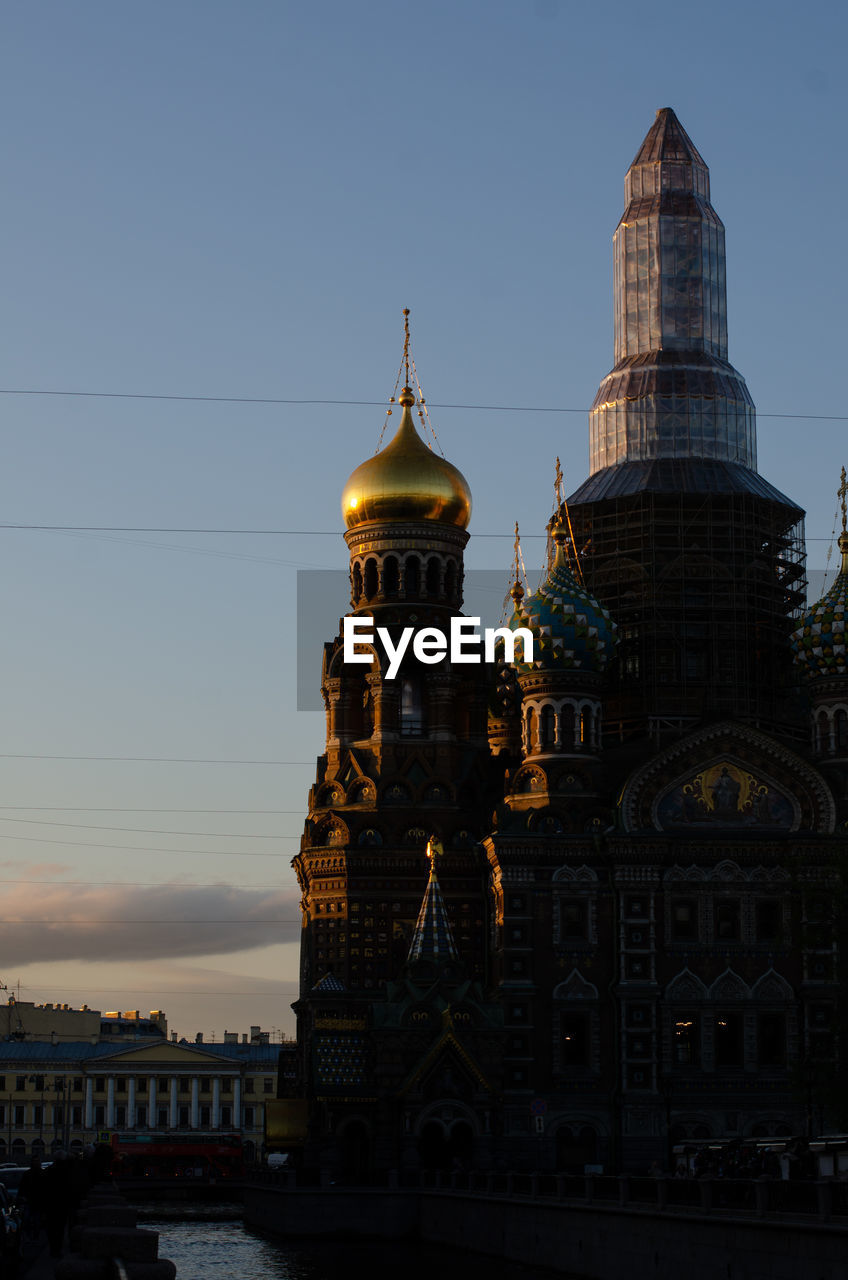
(210, 1243)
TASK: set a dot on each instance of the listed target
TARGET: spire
(432, 939)
(842, 493)
(672, 392)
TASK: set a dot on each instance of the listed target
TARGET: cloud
(52, 922)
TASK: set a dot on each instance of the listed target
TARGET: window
(249, 1085)
(76, 1117)
(687, 1040)
(120, 1118)
(769, 915)
(411, 709)
(183, 1117)
(77, 1086)
(727, 920)
(20, 1083)
(728, 1040)
(100, 1084)
(19, 1117)
(2, 1112)
(162, 1118)
(38, 1114)
(771, 1039)
(205, 1084)
(684, 918)
(267, 1086)
(248, 1117)
(205, 1117)
(573, 917)
(99, 1116)
(226, 1117)
(141, 1117)
(574, 1040)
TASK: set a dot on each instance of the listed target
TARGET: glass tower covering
(672, 392)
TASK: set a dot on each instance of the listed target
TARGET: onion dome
(819, 643)
(406, 481)
(571, 630)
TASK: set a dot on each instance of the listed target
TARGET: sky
(228, 203)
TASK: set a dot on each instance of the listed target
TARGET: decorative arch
(767, 786)
(729, 986)
(572, 875)
(772, 986)
(576, 987)
(686, 986)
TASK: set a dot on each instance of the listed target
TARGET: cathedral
(580, 906)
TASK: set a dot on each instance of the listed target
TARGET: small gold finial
(406, 398)
(558, 484)
(517, 591)
(842, 493)
(435, 849)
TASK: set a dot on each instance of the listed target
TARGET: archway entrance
(575, 1148)
(355, 1151)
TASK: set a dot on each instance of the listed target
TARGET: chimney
(198, 1039)
(244, 1037)
(173, 1037)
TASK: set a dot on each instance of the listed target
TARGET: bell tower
(406, 756)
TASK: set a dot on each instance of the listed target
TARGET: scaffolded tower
(699, 559)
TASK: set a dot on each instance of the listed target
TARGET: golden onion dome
(406, 481)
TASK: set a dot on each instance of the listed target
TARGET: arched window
(532, 730)
(450, 582)
(567, 729)
(840, 726)
(432, 576)
(370, 583)
(391, 576)
(585, 728)
(547, 727)
(411, 708)
(357, 584)
(412, 577)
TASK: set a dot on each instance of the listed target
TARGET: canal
(210, 1243)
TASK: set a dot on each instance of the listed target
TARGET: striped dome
(819, 643)
(571, 630)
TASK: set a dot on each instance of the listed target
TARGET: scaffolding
(705, 588)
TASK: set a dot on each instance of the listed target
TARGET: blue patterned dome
(572, 632)
(819, 643)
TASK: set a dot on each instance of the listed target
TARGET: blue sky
(212, 199)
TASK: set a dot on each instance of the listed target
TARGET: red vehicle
(196, 1157)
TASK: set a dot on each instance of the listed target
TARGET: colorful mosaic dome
(819, 643)
(571, 630)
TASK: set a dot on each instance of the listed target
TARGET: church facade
(625, 937)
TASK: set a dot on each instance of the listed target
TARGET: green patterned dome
(819, 642)
(572, 632)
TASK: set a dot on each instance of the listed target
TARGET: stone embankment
(106, 1243)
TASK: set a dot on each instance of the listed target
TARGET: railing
(746, 1197)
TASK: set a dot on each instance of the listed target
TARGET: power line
(277, 533)
(136, 848)
(283, 764)
(151, 884)
(380, 404)
(156, 831)
(74, 808)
